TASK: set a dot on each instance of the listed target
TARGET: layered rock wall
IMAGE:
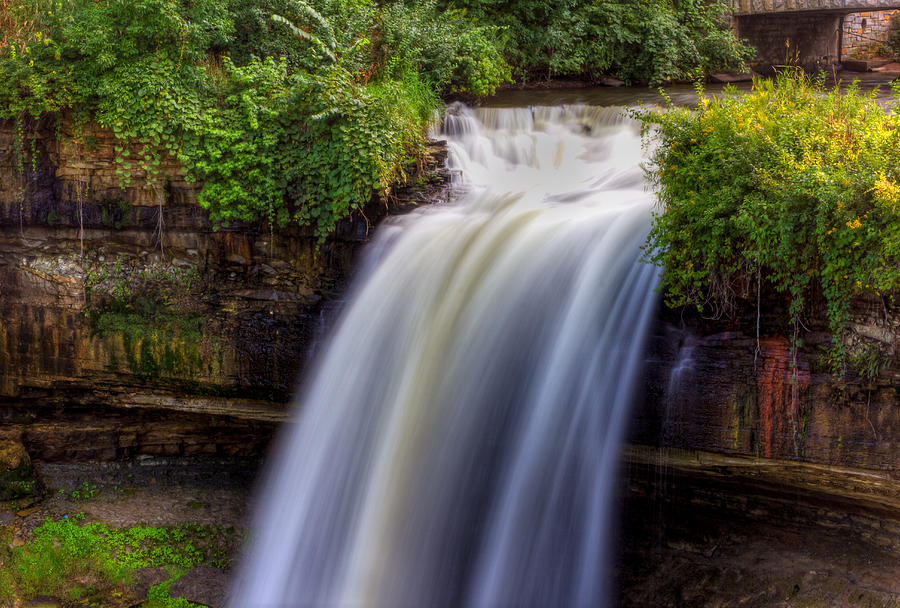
(713, 385)
(120, 298)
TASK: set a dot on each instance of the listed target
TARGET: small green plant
(85, 492)
(159, 597)
(867, 360)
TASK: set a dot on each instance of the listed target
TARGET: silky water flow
(458, 443)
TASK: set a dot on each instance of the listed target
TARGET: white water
(458, 444)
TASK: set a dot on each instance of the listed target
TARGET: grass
(95, 565)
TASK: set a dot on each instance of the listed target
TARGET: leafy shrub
(452, 53)
(656, 41)
(892, 46)
(288, 111)
(791, 182)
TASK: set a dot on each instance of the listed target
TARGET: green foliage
(242, 93)
(450, 53)
(158, 597)
(657, 41)
(891, 48)
(791, 181)
(85, 492)
(84, 562)
(867, 360)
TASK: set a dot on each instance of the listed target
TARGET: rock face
(757, 477)
(202, 585)
(712, 385)
(16, 477)
(130, 325)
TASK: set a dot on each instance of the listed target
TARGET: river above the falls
(681, 94)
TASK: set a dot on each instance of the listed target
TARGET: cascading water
(459, 442)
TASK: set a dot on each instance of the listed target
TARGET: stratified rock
(118, 340)
(202, 585)
(16, 479)
(612, 82)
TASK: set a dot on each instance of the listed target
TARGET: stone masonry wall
(865, 32)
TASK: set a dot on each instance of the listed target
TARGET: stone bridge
(767, 7)
(815, 34)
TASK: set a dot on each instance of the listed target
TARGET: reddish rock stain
(780, 388)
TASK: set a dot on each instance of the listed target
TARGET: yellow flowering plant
(791, 182)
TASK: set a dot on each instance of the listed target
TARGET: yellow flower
(854, 224)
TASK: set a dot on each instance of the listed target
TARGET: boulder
(202, 585)
(730, 77)
(16, 475)
(609, 81)
(145, 578)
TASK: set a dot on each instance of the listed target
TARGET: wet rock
(226, 317)
(145, 578)
(202, 585)
(16, 478)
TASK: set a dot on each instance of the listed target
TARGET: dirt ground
(667, 559)
(694, 561)
(156, 492)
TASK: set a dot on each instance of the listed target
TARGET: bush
(452, 53)
(892, 46)
(287, 111)
(792, 182)
(656, 41)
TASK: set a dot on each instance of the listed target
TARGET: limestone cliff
(128, 324)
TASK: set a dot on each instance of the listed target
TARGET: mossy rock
(16, 475)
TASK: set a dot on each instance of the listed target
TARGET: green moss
(90, 562)
(155, 343)
(138, 311)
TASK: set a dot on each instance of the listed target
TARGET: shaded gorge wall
(115, 300)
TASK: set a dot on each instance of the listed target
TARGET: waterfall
(458, 443)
